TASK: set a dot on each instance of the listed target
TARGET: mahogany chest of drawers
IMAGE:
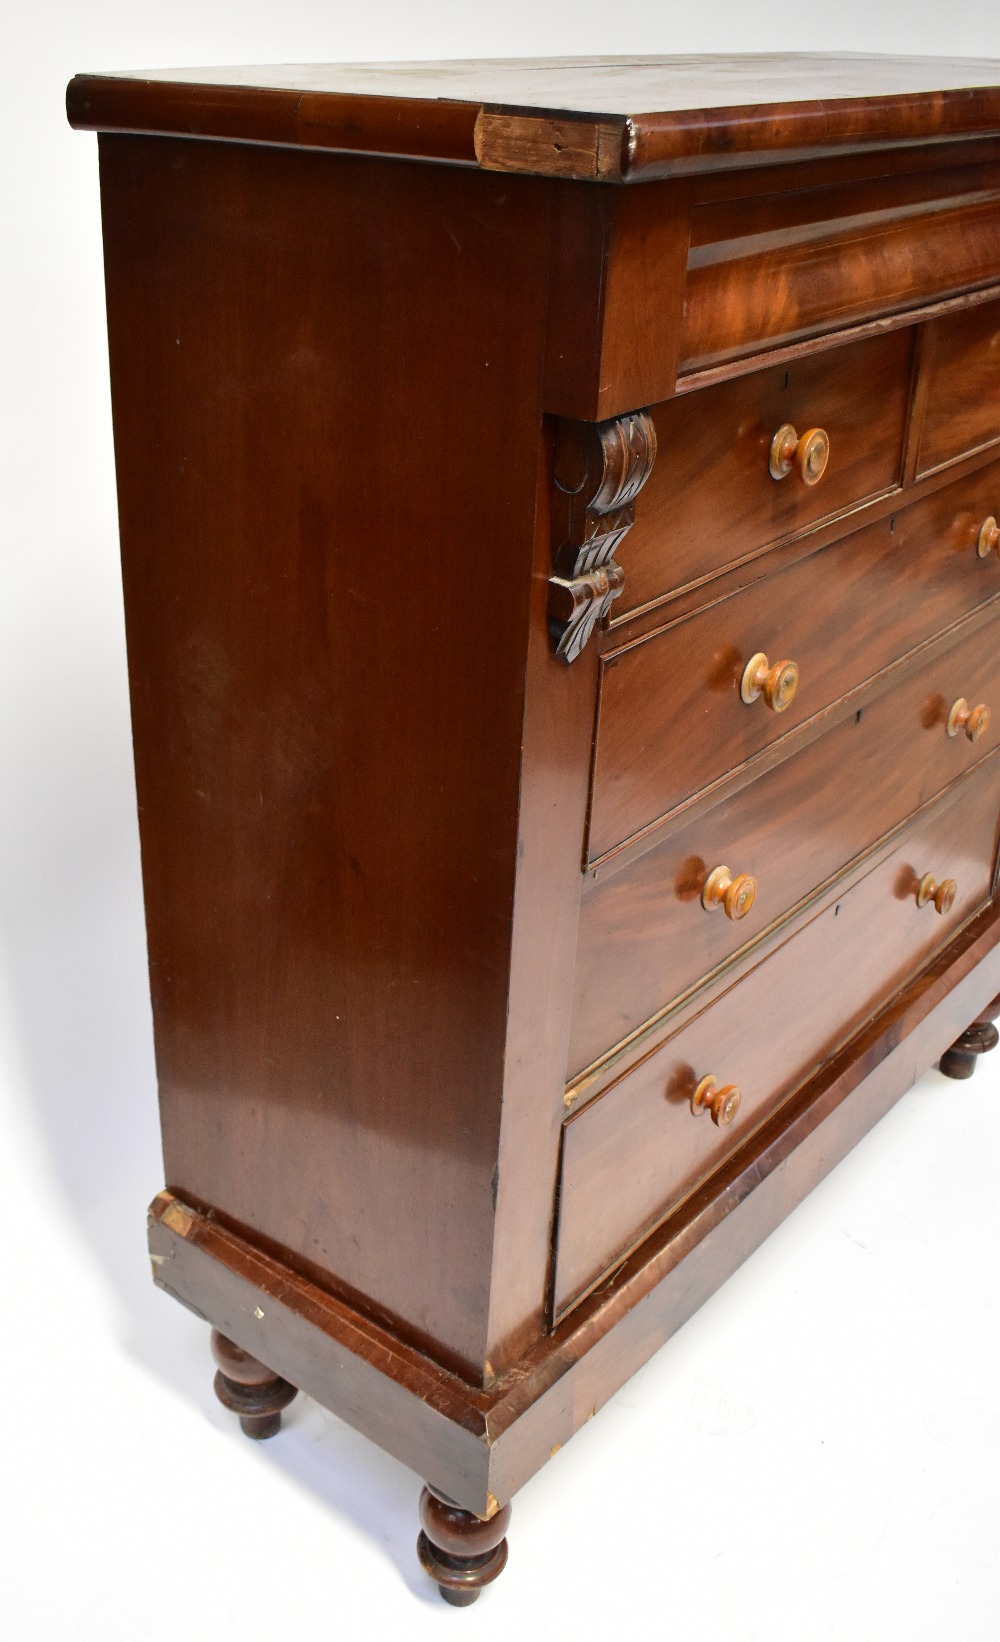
(562, 577)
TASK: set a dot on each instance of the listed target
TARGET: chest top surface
(608, 119)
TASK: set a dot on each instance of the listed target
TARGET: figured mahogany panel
(672, 719)
(777, 284)
(645, 937)
(326, 395)
(962, 403)
(634, 1152)
(826, 196)
(711, 501)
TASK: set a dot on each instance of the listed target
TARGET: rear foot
(960, 1060)
(248, 1389)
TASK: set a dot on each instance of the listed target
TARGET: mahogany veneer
(562, 624)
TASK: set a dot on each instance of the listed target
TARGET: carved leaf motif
(599, 470)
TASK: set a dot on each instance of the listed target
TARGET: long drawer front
(640, 1147)
(646, 936)
(673, 719)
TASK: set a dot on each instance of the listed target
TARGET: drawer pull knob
(735, 895)
(940, 895)
(971, 721)
(989, 538)
(776, 684)
(808, 455)
(723, 1103)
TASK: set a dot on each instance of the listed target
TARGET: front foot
(460, 1551)
(247, 1388)
(960, 1060)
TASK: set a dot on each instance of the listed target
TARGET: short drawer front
(639, 1148)
(672, 719)
(961, 367)
(711, 501)
(645, 937)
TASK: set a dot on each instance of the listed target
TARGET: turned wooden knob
(989, 537)
(722, 1103)
(776, 684)
(940, 896)
(972, 721)
(735, 895)
(808, 455)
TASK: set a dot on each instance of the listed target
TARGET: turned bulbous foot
(960, 1060)
(247, 1388)
(460, 1551)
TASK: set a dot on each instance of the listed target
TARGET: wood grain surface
(711, 502)
(328, 755)
(671, 719)
(777, 286)
(962, 366)
(633, 1153)
(645, 937)
(343, 390)
(634, 117)
(435, 1421)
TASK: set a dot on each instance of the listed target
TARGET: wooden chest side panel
(326, 394)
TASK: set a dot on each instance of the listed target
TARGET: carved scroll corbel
(599, 469)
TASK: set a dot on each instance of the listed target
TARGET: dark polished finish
(496, 113)
(502, 1006)
(485, 1444)
(711, 501)
(763, 1034)
(336, 856)
(462, 1552)
(960, 1060)
(961, 365)
(644, 938)
(247, 1388)
(845, 614)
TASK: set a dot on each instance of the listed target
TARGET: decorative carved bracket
(599, 470)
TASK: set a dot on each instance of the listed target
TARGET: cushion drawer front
(638, 1148)
(751, 285)
(671, 717)
(962, 371)
(645, 937)
(710, 501)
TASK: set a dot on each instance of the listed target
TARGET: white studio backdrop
(812, 1458)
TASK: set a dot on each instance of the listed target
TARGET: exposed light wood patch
(550, 146)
